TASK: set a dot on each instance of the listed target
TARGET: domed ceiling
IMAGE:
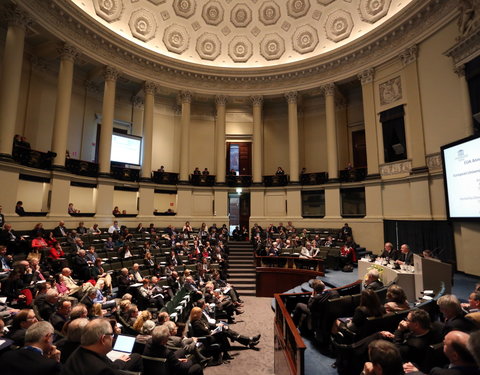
(242, 33)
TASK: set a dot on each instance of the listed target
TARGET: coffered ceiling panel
(242, 34)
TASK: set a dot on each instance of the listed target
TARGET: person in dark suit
(39, 356)
(414, 336)
(384, 358)
(303, 312)
(91, 357)
(455, 349)
(406, 256)
(12, 241)
(157, 349)
(69, 344)
(60, 230)
(2, 218)
(174, 282)
(389, 252)
(19, 210)
(60, 317)
(124, 280)
(47, 308)
(173, 259)
(454, 315)
(80, 265)
(372, 280)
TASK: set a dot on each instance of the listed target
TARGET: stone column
(186, 99)
(149, 88)
(105, 147)
(68, 54)
(221, 101)
(332, 150)
(293, 135)
(466, 106)
(257, 152)
(370, 120)
(414, 134)
(11, 76)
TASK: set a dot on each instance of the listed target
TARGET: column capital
(460, 70)
(185, 96)
(177, 109)
(110, 73)
(329, 89)
(68, 52)
(291, 97)
(17, 17)
(257, 100)
(409, 55)
(137, 102)
(149, 87)
(366, 76)
(221, 100)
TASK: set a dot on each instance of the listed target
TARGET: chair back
(154, 366)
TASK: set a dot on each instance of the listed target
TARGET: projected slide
(126, 149)
(462, 175)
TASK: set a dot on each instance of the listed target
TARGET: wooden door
(239, 157)
(359, 149)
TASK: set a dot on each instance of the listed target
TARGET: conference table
(405, 279)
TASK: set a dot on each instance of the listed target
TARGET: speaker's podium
(429, 273)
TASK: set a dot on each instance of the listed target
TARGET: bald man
(455, 349)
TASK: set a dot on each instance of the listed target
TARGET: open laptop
(123, 346)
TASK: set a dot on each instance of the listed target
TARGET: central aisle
(258, 318)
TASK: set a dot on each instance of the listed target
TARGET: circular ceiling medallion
(142, 25)
(212, 13)
(240, 49)
(269, 13)
(272, 47)
(298, 8)
(339, 25)
(241, 15)
(372, 10)
(208, 46)
(109, 10)
(184, 8)
(305, 39)
(176, 38)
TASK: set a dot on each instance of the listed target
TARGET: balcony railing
(276, 180)
(239, 181)
(81, 167)
(202, 180)
(353, 175)
(314, 178)
(33, 158)
(125, 174)
(165, 178)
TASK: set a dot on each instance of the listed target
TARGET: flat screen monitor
(461, 169)
(126, 149)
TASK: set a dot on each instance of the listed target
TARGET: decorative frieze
(434, 162)
(390, 91)
(398, 167)
(409, 55)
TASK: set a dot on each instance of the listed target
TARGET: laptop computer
(123, 346)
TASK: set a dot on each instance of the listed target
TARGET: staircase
(241, 267)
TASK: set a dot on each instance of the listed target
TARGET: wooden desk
(404, 279)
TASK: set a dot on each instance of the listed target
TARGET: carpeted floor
(258, 318)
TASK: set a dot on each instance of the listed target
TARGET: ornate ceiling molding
(94, 40)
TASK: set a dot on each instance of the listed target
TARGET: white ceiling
(242, 33)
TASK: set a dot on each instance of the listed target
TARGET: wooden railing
(165, 178)
(202, 180)
(289, 348)
(239, 181)
(290, 262)
(81, 167)
(314, 178)
(276, 180)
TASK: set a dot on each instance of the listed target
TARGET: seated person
(370, 306)
(473, 304)
(384, 358)
(405, 257)
(19, 210)
(158, 349)
(414, 336)
(308, 252)
(396, 299)
(21, 322)
(71, 342)
(389, 252)
(372, 280)
(39, 356)
(303, 312)
(451, 310)
(91, 357)
(280, 171)
(456, 350)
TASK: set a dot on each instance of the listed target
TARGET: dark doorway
(238, 209)
(239, 158)
(359, 149)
